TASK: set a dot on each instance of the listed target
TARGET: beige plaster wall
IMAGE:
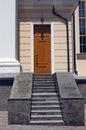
(25, 18)
(25, 45)
(60, 46)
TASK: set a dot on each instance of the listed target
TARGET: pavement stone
(4, 125)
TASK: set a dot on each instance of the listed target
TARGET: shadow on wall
(5, 88)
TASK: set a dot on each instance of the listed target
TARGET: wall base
(71, 99)
(19, 102)
(9, 66)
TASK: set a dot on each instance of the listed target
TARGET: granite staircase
(45, 109)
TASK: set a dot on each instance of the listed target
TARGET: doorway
(42, 49)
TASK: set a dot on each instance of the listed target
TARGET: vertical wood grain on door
(42, 49)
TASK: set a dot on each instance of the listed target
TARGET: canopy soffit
(65, 8)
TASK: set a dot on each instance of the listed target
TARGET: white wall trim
(8, 45)
(32, 48)
(52, 48)
(52, 44)
(77, 30)
(9, 66)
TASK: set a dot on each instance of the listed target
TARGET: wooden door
(42, 49)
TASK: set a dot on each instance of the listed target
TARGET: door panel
(42, 49)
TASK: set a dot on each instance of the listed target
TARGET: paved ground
(4, 125)
(5, 88)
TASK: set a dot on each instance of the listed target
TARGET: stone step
(43, 90)
(42, 96)
(46, 93)
(47, 122)
(44, 81)
(44, 75)
(43, 87)
(45, 103)
(46, 107)
(46, 112)
(46, 117)
(44, 99)
(43, 84)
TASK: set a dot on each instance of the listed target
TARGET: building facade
(42, 37)
(81, 37)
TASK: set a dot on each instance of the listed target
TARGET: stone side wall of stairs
(48, 100)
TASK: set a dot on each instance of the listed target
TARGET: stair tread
(44, 87)
(46, 79)
(46, 116)
(41, 83)
(43, 75)
(46, 106)
(47, 121)
(46, 98)
(45, 101)
(41, 99)
(58, 110)
(47, 84)
(45, 93)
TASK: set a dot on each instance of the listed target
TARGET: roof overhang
(65, 8)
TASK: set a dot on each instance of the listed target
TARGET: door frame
(52, 44)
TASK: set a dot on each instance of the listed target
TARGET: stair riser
(46, 113)
(37, 85)
(39, 91)
(46, 108)
(45, 96)
(44, 100)
(46, 118)
(43, 91)
(36, 104)
(57, 124)
(44, 80)
(43, 76)
(43, 84)
(44, 87)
